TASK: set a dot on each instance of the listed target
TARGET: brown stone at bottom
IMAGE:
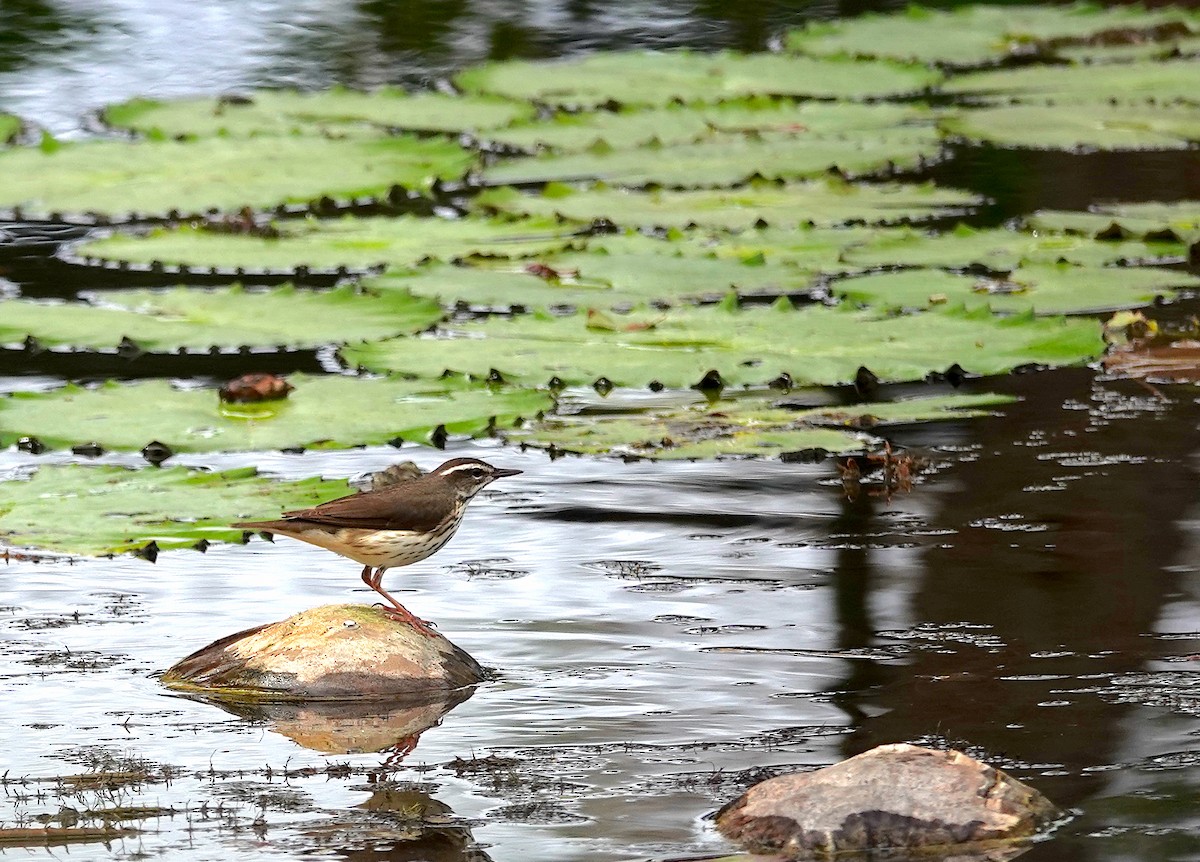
(893, 797)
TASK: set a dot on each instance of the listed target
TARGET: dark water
(663, 634)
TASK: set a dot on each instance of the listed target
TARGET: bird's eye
(477, 473)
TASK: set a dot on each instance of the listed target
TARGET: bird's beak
(501, 472)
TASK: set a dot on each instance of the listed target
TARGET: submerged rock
(893, 797)
(334, 652)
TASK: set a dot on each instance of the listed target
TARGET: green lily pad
(1147, 220)
(1047, 288)
(329, 243)
(99, 510)
(824, 202)
(657, 78)
(725, 159)
(675, 124)
(1000, 250)
(971, 35)
(1124, 83)
(750, 426)
(333, 112)
(10, 127)
(595, 279)
(748, 346)
(1169, 48)
(324, 412)
(1072, 126)
(230, 317)
(117, 178)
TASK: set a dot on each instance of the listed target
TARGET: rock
(334, 652)
(899, 797)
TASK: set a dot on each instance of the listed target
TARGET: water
(663, 635)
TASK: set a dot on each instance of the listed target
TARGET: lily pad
(1123, 83)
(1047, 288)
(678, 348)
(323, 412)
(824, 202)
(750, 426)
(1000, 250)
(1179, 43)
(657, 78)
(972, 35)
(675, 124)
(335, 112)
(116, 179)
(100, 510)
(327, 243)
(725, 159)
(597, 279)
(1180, 219)
(10, 126)
(230, 317)
(1079, 125)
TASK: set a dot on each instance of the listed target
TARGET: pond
(662, 634)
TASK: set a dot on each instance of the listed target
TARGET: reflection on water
(664, 635)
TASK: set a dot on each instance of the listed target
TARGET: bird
(397, 525)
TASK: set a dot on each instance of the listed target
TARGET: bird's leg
(374, 580)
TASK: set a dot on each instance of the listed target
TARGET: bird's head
(468, 475)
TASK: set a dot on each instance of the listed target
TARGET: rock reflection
(350, 727)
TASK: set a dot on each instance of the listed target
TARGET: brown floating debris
(1142, 350)
(254, 387)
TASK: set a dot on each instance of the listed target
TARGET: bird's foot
(404, 615)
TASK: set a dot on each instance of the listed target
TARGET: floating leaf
(1147, 220)
(337, 111)
(327, 243)
(1071, 126)
(10, 126)
(748, 346)
(828, 202)
(117, 178)
(677, 124)
(1173, 45)
(999, 250)
(328, 412)
(1124, 83)
(231, 317)
(1046, 288)
(749, 426)
(657, 78)
(725, 159)
(972, 35)
(98, 510)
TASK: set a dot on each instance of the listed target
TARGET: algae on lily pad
(1000, 250)
(1047, 288)
(114, 179)
(230, 317)
(326, 112)
(357, 243)
(745, 346)
(975, 34)
(822, 202)
(100, 510)
(751, 425)
(674, 124)
(725, 159)
(323, 411)
(1079, 125)
(661, 77)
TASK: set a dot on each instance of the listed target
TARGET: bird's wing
(400, 507)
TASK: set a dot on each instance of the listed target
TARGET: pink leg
(398, 612)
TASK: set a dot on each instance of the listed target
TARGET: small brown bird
(397, 525)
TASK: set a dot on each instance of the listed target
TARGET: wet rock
(334, 652)
(893, 797)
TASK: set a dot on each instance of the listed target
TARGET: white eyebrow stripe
(459, 467)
